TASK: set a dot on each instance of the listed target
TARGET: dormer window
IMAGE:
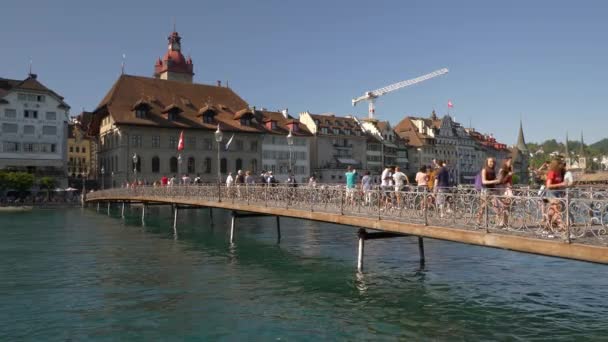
(209, 117)
(246, 121)
(172, 111)
(172, 116)
(141, 112)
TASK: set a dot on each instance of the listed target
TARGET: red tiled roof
(282, 122)
(161, 94)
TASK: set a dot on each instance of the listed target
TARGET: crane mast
(371, 96)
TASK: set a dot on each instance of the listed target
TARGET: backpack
(478, 182)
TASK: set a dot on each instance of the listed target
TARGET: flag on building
(180, 144)
(229, 142)
(450, 105)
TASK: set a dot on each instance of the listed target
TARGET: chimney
(219, 83)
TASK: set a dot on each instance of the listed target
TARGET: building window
(31, 114)
(136, 140)
(207, 165)
(40, 98)
(156, 141)
(28, 129)
(324, 130)
(239, 164)
(239, 145)
(246, 121)
(223, 165)
(191, 165)
(172, 142)
(155, 164)
(84, 150)
(49, 130)
(208, 145)
(9, 128)
(51, 116)
(77, 149)
(22, 97)
(71, 149)
(141, 112)
(173, 164)
(10, 113)
(253, 146)
(172, 116)
(9, 146)
(29, 147)
(208, 117)
(273, 125)
(53, 148)
(336, 131)
(190, 142)
(254, 166)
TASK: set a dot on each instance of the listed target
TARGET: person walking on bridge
(351, 181)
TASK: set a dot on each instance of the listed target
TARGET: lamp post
(112, 179)
(218, 138)
(103, 171)
(290, 144)
(83, 175)
(419, 157)
(179, 166)
(135, 159)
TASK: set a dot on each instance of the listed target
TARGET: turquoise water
(73, 275)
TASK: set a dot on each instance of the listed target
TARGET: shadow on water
(404, 299)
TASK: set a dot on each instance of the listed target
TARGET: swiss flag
(450, 105)
(180, 144)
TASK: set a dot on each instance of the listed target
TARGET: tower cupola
(173, 65)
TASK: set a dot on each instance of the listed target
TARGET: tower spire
(521, 141)
(582, 149)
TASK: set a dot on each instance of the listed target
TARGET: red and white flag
(180, 144)
(450, 105)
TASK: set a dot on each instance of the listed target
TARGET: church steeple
(581, 152)
(566, 150)
(521, 142)
(173, 66)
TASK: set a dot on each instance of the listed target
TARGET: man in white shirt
(172, 181)
(400, 179)
(387, 184)
(229, 180)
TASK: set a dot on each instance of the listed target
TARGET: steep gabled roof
(161, 94)
(31, 83)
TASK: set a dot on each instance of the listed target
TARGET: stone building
(33, 129)
(79, 152)
(276, 151)
(139, 121)
(337, 142)
(384, 146)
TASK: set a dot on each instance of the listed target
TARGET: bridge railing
(576, 215)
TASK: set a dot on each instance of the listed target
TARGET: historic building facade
(139, 121)
(278, 146)
(33, 129)
(337, 142)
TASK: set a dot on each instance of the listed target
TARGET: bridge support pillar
(278, 229)
(143, 214)
(109, 203)
(98, 204)
(362, 234)
(122, 210)
(175, 209)
(232, 224)
(421, 249)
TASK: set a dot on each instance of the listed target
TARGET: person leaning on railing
(489, 180)
(555, 186)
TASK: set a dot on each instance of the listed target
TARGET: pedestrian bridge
(574, 226)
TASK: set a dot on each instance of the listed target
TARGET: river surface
(75, 275)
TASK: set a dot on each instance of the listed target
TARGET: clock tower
(173, 66)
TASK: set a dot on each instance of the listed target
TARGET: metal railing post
(487, 211)
(568, 216)
(425, 207)
(342, 194)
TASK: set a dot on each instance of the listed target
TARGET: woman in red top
(555, 184)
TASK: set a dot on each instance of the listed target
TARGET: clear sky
(543, 61)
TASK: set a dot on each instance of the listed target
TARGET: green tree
(47, 183)
(20, 181)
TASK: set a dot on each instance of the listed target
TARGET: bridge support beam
(109, 203)
(232, 224)
(143, 214)
(98, 204)
(421, 249)
(363, 235)
(278, 229)
(122, 210)
(175, 209)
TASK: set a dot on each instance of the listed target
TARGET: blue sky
(543, 61)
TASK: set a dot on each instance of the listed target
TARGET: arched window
(173, 164)
(254, 166)
(223, 165)
(191, 167)
(155, 165)
(207, 165)
(239, 164)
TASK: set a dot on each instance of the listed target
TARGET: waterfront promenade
(574, 226)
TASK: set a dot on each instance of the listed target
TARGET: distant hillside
(601, 147)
